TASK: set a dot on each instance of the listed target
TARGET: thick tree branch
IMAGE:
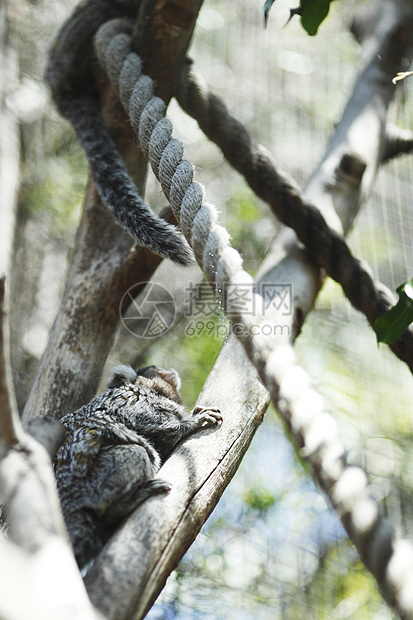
(161, 38)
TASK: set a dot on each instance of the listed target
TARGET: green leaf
(395, 321)
(312, 13)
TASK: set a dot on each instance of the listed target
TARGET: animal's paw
(158, 487)
(207, 416)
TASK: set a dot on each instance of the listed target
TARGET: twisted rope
(326, 247)
(314, 431)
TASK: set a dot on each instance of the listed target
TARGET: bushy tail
(70, 78)
(116, 187)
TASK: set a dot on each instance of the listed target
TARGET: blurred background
(272, 548)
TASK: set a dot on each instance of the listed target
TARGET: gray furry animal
(71, 78)
(113, 448)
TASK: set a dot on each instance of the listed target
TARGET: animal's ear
(171, 377)
(121, 375)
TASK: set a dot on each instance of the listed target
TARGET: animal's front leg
(207, 416)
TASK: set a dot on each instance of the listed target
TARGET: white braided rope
(315, 432)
